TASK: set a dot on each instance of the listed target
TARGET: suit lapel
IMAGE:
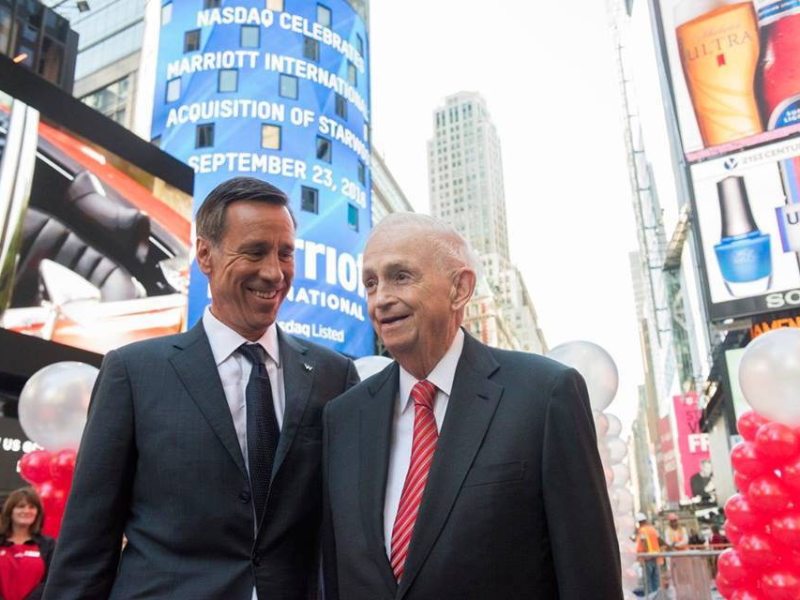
(472, 405)
(375, 430)
(298, 375)
(198, 372)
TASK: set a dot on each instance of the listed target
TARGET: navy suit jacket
(515, 505)
(160, 462)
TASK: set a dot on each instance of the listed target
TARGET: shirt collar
(441, 376)
(224, 341)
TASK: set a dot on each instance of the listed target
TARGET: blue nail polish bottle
(743, 253)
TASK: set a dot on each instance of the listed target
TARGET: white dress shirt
(234, 372)
(442, 377)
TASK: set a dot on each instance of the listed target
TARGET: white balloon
(596, 366)
(769, 375)
(622, 474)
(600, 424)
(53, 404)
(624, 525)
(614, 425)
(617, 450)
(622, 501)
(367, 366)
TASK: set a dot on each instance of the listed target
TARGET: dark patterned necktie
(262, 426)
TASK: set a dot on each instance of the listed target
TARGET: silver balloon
(600, 424)
(769, 375)
(617, 450)
(614, 425)
(596, 366)
(53, 404)
(369, 365)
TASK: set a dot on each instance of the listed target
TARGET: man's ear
(203, 255)
(463, 287)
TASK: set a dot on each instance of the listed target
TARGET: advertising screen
(747, 215)
(279, 91)
(733, 70)
(95, 245)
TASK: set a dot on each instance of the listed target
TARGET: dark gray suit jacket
(515, 505)
(160, 461)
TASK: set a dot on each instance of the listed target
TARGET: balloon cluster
(763, 519)
(52, 412)
(50, 473)
(602, 379)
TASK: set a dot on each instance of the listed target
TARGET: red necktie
(423, 446)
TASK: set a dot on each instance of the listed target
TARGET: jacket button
(244, 497)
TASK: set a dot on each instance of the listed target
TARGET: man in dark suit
(459, 471)
(204, 448)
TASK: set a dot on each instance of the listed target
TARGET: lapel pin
(308, 367)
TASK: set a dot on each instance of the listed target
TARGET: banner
(693, 448)
(279, 93)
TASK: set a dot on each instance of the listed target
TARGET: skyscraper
(465, 177)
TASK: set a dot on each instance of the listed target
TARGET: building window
(276, 5)
(271, 136)
(288, 86)
(211, 4)
(309, 199)
(114, 101)
(360, 45)
(310, 48)
(173, 89)
(191, 40)
(204, 135)
(228, 80)
(341, 106)
(352, 75)
(352, 216)
(362, 173)
(166, 13)
(324, 15)
(250, 36)
(324, 150)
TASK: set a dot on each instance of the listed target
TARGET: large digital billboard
(94, 223)
(279, 90)
(733, 68)
(747, 215)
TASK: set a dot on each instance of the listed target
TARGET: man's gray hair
(452, 251)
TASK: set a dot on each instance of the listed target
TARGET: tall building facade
(465, 178)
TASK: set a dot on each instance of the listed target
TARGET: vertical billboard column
(279, 90)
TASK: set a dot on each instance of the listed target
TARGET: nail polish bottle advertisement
(743, 252)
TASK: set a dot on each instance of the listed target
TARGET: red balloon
(740, 512)
(724, 586)
(34, 467)
(777, 442)
(748, 424)
(52, 524)
(53, 497)
(790, 475)
(780, 585)
(747, 594)
(733, 532)
(768, 494)
(62, 465)
(747, 461)
(756, 551)
(785, 529)
(731, 568)
(741, 482)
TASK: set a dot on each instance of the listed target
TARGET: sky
(547, 71)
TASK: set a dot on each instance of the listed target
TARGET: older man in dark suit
(204, 448)
(460, 471)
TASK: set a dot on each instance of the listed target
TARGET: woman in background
(24, 552)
